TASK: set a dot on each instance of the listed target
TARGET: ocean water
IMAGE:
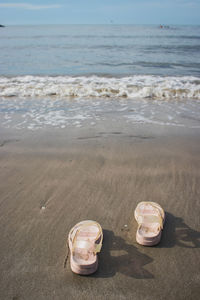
(69, 75)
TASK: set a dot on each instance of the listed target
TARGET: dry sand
(49, 182)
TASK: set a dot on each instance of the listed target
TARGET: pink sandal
(85, 241)
(150, 217)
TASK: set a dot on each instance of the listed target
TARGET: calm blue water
(68, 75)
(108, 50)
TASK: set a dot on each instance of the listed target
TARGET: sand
(50, 180)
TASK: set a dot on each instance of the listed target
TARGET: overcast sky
(100, 12)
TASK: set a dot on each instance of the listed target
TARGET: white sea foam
(61, 87)
(98, 99)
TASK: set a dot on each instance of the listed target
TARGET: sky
(100, 12)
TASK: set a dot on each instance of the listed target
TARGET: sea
(72, 75)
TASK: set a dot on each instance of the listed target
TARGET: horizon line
(137, 24)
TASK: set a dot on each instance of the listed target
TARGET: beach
(93, 120)
(50, 180)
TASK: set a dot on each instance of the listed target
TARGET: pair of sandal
(85, 238)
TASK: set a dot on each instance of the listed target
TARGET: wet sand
(49, 181)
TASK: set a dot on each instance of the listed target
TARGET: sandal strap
(86, 244)
(98, 247)
(86, 224)
(154, 205)
(82, 244)
(150, 219)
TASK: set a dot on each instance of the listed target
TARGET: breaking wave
(130, 87)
